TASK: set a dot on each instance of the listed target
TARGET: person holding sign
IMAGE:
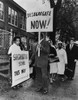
(41, 62)
(14, 48)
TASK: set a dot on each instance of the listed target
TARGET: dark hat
(59, 42)
(16, 37)
(72, 38)
(76, 42)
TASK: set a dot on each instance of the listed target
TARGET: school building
(13, 20)
(12, 17)
(12, 23)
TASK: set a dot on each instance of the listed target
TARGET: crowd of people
(54, 62)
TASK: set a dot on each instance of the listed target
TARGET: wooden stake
(39, 43)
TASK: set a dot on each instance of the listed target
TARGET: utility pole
(55, 4)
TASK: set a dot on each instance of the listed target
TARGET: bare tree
(56, 6)
(66, 19)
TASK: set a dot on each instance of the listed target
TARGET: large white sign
(20, 67)
(40, 21)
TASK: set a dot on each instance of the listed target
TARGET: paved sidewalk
(67, 90)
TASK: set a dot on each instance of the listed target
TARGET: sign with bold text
(20, 67)
(40, 21)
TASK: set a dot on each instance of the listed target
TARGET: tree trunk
(56, 8)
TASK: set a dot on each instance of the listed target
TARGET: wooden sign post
(39, 43)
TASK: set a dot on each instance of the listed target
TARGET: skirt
(53, 68)
(61, 68)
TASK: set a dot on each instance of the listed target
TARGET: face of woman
(59, 46)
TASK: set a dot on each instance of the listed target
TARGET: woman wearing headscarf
(61, 53)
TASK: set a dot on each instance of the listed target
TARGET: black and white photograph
(38, 49)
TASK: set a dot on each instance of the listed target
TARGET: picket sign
(20, 67)
(40, 20)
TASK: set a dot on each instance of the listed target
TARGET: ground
(67, 90)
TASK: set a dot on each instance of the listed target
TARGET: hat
(72, 38)
(59, 42)
(76, 42)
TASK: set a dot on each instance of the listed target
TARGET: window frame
(2, 10)
(23, 20)
(12, 17)
(2, 40)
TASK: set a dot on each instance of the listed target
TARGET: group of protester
(53, 63)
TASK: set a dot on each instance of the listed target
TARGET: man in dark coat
(71, 50)
(41, 62)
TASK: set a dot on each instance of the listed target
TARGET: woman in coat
(61, 53)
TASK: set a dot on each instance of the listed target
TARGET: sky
(32, 4)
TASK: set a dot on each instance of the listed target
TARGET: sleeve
(65, 57)
(55, 52)
(76, 53)
(45, 47)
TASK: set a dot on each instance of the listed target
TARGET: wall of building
(5, 25)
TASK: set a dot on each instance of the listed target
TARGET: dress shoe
(71, 78)
(45, 91)
(39, 90)
(19, 86)
(15, 88)
(62, 79)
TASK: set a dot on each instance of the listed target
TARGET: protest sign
(40, 21)
(20, 67)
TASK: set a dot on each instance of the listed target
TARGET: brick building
(12, 20)
(12, 17)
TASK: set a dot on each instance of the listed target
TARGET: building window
(1, 40)
(9, 15)
(1, 10)
(12, 16)
(15, 18)
(23, 22)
